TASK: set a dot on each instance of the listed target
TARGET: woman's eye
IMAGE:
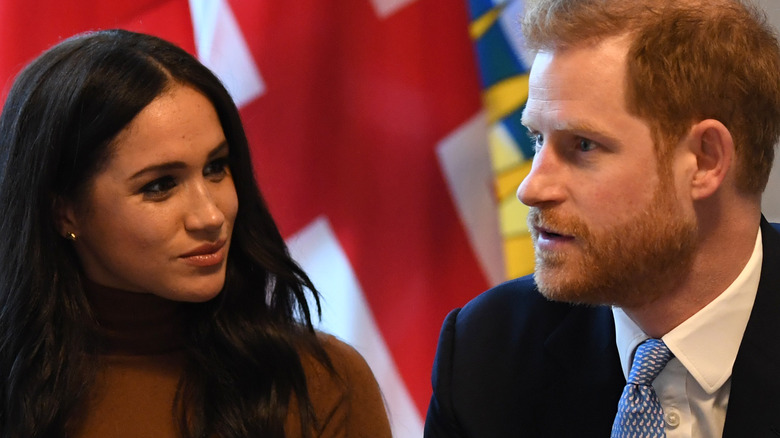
(159, 188)
(585, 145)
(217, 169)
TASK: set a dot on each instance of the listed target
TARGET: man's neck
(723, 250)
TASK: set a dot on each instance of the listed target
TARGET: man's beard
(628, 265)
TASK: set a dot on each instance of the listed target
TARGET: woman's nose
(203, 211)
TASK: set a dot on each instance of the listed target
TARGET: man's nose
(544, 183)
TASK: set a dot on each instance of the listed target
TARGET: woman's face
(159, 216)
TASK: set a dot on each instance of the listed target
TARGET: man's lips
(548, 233)
(553, 231)
(546, 239)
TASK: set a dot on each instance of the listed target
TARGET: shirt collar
(706, 343)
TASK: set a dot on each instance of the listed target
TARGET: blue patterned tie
(639, 412)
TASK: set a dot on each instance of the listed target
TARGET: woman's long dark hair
(56, 131)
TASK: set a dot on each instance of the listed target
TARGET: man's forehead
(577, 77)
(556, 122)
(613, 48)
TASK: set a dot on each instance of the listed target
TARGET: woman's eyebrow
(176, 165)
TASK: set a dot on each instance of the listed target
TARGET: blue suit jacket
(513, 364)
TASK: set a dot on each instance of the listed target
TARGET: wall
(771, 203)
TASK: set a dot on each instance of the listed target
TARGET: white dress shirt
(694, 387)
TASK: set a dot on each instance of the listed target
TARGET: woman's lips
(209, 254)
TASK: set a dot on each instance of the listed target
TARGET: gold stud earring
(71, 236)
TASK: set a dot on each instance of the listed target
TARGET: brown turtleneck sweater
(142, 358)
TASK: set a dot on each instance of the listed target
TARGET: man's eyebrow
(578, 126)
(176, 165)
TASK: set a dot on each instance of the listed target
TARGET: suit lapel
(588, 380)
(754, 403)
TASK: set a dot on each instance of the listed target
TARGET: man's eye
(537, 139)
(585, 145)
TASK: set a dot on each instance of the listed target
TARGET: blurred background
(385, 138)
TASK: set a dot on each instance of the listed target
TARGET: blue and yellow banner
(495, 31)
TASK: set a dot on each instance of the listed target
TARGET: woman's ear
(712, 145)
(65, 217)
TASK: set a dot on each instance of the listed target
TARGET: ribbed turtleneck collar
(132, 323)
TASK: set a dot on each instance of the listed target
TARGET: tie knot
(650, 358)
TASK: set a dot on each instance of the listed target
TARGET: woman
(145, 289)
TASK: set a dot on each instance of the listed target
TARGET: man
(654, 123)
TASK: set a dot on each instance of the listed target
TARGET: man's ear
(64, 217)
(712, 145)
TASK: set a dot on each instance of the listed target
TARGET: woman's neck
(131, 323)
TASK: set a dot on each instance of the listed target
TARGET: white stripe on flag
(464, 157)
(386, 8)
(346, 315)
(222, 48)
